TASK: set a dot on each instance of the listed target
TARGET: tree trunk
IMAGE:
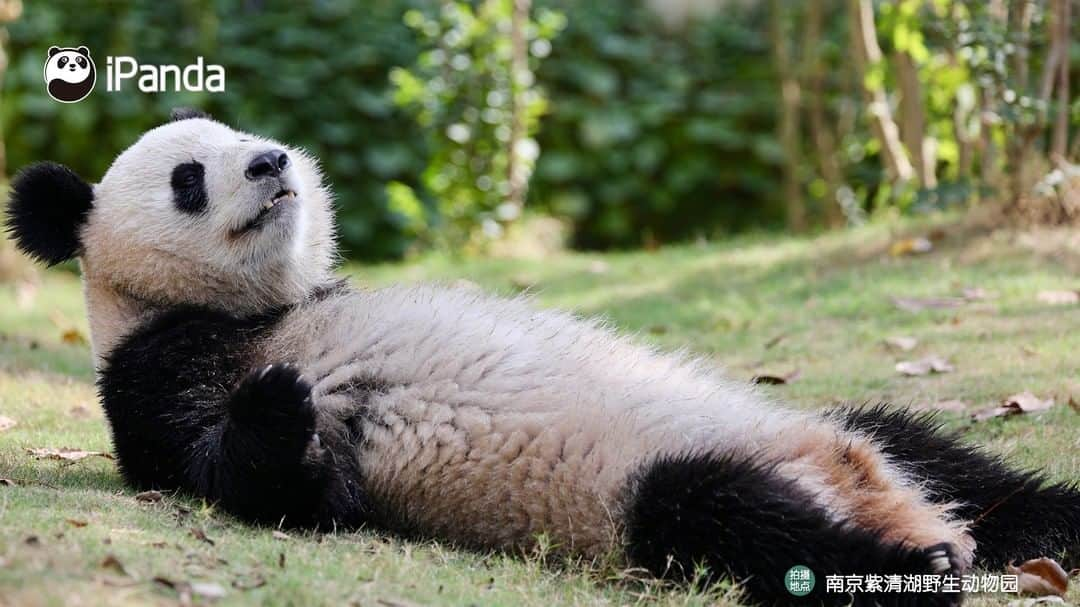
(9, 11)
(988, 165)
(1018, 20)
(1059, 143)
(788, 128)
(820, 132)
(913, 120)
(517, 171)
(866, 54)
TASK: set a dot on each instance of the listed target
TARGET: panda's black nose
(272, 162)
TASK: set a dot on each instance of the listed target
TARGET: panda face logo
(70, 74)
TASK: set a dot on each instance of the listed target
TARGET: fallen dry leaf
(1041, 577)
(207, 590)
(918, 304)
(65, 454)
(199, 534)
(1059, 298)
(775, 341)
(1017, 404)
(73, 337)
(1026, 402)
(149, 496)
(776, 379)
(280, 535)
(6, 423)
(112, 563)
(1043, 600)
(598, 267)
(954, 406)
(902, 343)
(80, 411)
(924, 366)
(1074, 404)
(911, 246)
(7, 482)
(74, 522)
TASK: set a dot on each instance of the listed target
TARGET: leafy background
(648, 133)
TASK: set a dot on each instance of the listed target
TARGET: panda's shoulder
(180, 333)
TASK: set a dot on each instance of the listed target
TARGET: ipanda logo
(196, 77)
(70, 75)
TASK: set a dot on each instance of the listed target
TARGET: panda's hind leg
(1014, 515)
(741, 517)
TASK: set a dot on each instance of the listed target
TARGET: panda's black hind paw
(275, 396)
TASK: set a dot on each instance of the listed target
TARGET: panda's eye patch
(81, 61)
(189, 187)
(62, 62)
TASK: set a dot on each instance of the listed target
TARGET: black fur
(48, 205)
(188, 183)
(189, 410)
(186, 113)
(736, 516)
(1016, 515)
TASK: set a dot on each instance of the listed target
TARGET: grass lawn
(72, 534)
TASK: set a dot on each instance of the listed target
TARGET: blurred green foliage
(645, 133)
(315, 78)
(656, 135)
(471, 102)
(648, 134)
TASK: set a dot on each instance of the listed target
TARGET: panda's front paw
(275, 396)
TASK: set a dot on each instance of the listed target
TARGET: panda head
(193, 212)
(71, 65)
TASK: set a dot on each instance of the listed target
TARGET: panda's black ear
(48, 205)
(53, 50)
(82, 50)
(184, 113)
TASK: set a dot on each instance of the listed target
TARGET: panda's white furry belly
(488, 422)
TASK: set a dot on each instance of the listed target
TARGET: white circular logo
(70, 73)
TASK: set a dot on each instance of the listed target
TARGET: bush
(657, 136)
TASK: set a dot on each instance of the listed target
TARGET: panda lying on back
(232, 365)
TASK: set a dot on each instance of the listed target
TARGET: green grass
(819, 305)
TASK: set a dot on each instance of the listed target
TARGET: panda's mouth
(270, 209)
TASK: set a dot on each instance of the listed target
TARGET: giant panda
(233, 365)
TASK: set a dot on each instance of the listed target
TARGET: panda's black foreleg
(265, 461)
(1015, 515)
(737, 516)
